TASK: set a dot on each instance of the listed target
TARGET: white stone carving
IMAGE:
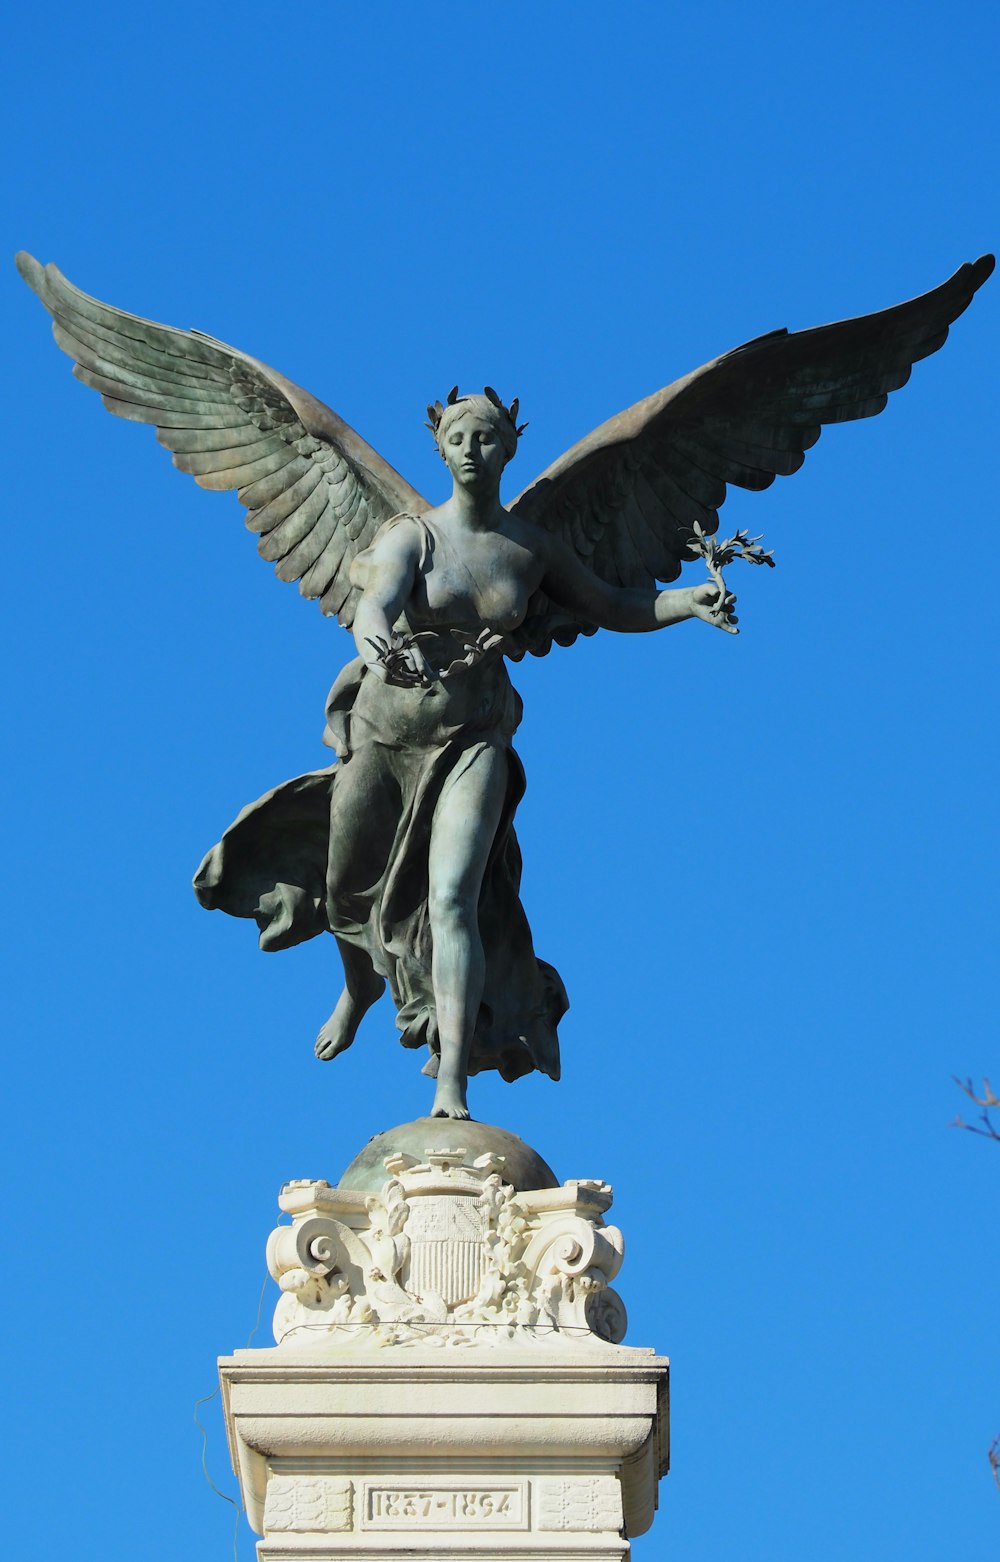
(472, 1506)
(543, 1453)
(308, 1504)
(447, 1254)
(447, 1238)
(579, 1503)
(448, 1383)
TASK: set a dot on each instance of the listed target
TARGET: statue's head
(485, 413)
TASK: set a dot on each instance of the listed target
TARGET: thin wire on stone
(207, 1399)
(428, 1326)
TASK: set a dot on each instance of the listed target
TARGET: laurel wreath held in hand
(399, 668)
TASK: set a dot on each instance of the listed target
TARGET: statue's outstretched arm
(628, 609)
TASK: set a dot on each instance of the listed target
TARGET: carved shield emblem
(446, 1233)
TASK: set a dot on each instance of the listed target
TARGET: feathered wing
(315, 492)
(626, 498)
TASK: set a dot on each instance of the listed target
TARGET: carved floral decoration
(447, 1254)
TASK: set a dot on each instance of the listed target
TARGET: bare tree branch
(987, 1129)
(988, 1101)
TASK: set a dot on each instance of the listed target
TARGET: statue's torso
(471, 581)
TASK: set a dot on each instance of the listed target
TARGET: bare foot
(341, 1028)
(449, 1101)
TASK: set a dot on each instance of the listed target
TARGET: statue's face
(474, 451)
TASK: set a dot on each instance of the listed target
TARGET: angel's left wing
(627, 497)
(316, 493)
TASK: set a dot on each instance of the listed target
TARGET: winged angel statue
(405, 849)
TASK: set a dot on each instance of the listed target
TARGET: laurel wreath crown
(436, 410)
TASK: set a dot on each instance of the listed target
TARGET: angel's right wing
(315, 491)
(628, 497)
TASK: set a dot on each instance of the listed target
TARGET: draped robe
(345, 849)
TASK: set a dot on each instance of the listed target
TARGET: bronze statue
(405, 849)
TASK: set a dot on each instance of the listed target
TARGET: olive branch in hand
(718, 554)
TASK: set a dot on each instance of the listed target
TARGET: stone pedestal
(448, 1380)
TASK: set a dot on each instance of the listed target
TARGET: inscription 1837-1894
(402, 1506)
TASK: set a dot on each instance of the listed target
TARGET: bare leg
(362, 987)
(362, 821)
(465, 824)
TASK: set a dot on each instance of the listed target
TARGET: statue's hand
(486, 641)
(401, 661)
(418, 669)
(715, 606)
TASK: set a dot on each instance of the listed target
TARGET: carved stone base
(430, 1455)
(448, 1380)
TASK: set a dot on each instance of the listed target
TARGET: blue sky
(765, 867)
